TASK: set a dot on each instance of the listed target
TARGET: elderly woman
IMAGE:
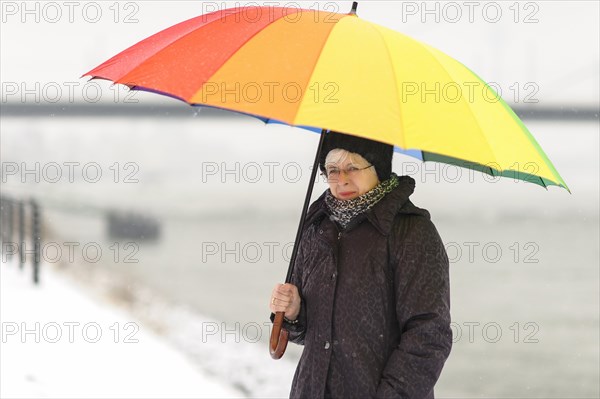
(369, 297)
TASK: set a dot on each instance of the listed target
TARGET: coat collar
(383, 213)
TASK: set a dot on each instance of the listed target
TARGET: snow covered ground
(59, 343)
(68, 339)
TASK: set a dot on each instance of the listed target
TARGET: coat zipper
(337, 248)
(339, 232)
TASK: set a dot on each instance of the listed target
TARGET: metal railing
(20, 228)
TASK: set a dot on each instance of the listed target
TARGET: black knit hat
(376, 153)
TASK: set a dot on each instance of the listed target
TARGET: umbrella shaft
(305, 208)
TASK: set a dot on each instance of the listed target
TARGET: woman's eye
(352, 169)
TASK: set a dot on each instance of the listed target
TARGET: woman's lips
(346, 193)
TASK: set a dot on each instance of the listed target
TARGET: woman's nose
(342, 178)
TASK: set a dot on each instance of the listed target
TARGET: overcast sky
(552, 44)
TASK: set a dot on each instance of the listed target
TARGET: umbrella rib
(391, 59)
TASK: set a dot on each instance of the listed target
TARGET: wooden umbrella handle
(279, 337)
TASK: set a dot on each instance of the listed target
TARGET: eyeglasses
(332, 174)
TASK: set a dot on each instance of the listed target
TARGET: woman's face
(349, 174)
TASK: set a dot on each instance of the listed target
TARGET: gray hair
(338, 155)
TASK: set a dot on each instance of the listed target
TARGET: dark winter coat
(375, 311)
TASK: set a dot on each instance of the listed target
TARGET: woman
(369, 297)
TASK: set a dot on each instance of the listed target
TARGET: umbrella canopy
(324, 71)
(320, 70)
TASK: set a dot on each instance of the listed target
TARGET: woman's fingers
(282, 297)
(283, 292)
(286, 289)
(278, 299)
(281, 301)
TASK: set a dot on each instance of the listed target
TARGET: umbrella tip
(354, 8)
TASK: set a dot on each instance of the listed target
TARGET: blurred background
(185, 219)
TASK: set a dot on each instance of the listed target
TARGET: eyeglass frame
(346, 172)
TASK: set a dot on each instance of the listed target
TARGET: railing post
(21, 234)
(36, 239)
(3, 217)
(10, 221)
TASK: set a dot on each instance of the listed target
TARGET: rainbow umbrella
(336, 71)
(324, 71)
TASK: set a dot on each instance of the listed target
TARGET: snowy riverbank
(58, 342)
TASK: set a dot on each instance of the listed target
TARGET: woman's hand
(285, 298)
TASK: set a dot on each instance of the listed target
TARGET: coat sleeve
(297, 330)
(422, 288)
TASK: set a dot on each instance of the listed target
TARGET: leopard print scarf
(344, 211)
